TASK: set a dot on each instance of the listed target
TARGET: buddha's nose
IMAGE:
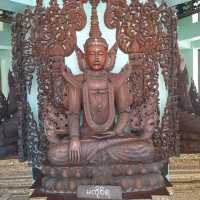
(96, 58)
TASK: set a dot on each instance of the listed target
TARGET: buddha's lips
(97, 64)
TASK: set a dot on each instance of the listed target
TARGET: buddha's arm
(123, 120)
(73, 101)
(74, 124)
(123, 102)
(70, 78)
(74, 111)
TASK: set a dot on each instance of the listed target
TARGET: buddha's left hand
(75, 151)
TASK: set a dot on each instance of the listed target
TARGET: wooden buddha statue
(98, 107)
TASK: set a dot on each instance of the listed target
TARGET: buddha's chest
(98, 100)
(98, 94)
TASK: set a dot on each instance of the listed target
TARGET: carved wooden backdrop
(189, 108)
(146, 32)
(23, 68)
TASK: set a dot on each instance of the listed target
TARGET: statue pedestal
(184, 176)
(15, 180)
(160, 194)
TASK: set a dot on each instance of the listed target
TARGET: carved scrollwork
(56, 124)
(144, 119)
(34, 155)
(74, 14)
(137, 27)
(115, 12)
(28, 62)
(58, 25)
(57, 36)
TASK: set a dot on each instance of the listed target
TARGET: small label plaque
(99, 192)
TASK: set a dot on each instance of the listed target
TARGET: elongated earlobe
(111, 58)
(81, 59)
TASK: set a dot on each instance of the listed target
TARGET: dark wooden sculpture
(98, 127)
(3, 107)
(189, 113)
(23, 69)
(8, 121)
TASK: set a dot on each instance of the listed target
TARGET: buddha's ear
(81, 59)
(110, 62)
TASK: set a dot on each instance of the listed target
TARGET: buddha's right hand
(75, 151)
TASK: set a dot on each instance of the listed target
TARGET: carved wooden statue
(104, 128)
(100, 96)
(8, 121)
(189, 113)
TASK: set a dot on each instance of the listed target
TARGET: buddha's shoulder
(119, 78)
(73, 80)
(79, 78)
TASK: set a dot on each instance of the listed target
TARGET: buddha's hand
(119, 132)
(75, 151)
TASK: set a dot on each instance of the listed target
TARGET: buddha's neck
(97, 73)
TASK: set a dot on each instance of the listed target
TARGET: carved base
(184, 176)
(158, 194)
(107, 170)
(130, 177)
(136, 183)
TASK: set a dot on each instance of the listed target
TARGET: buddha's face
(96, 57)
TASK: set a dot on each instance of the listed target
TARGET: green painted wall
(26, 2)
(195, 44)
(163, 94)
(12, 5)
(189, 39)
(187, 54)
(5, 64)
(187, 29)
(5, 36)
(5, 56)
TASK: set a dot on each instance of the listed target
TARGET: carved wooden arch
(152, 43)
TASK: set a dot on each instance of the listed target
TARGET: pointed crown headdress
(95, 33)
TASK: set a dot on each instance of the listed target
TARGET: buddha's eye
(101, 53)
(91, 53)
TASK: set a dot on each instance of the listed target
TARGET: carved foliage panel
(23, 68)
